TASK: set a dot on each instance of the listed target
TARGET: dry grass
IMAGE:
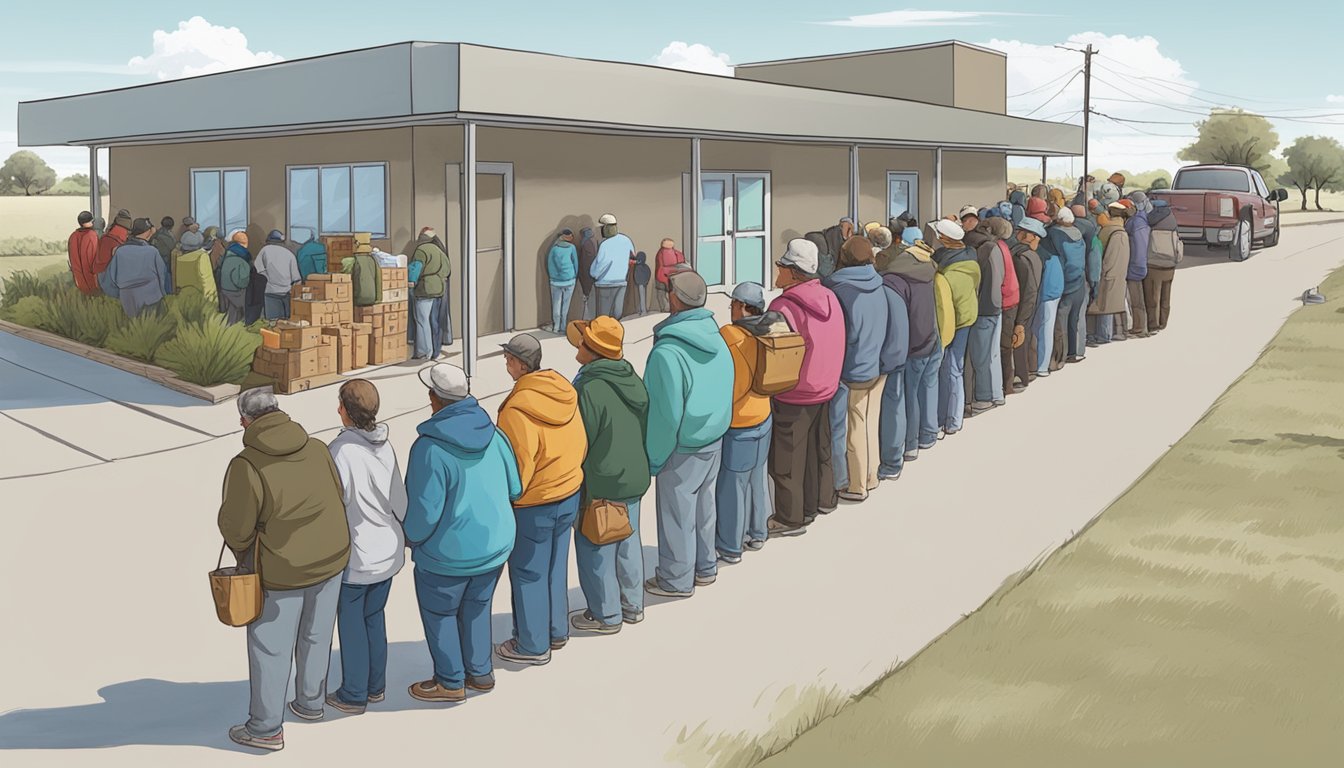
(1197, 622)
(48, 218)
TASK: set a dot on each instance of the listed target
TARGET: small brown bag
(605, 522)
(236, 590)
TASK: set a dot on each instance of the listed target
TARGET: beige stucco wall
(875, 162)
(980, 80)
(973, 178)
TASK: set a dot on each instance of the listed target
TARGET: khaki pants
(1137, 307)
(861, 450)
(1157, 296)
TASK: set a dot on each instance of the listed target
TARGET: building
(376, 139)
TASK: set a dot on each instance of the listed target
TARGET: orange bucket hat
(603, 335)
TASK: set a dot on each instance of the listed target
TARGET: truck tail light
(1227, 207)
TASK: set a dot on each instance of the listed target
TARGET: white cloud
(914, 18)
(693, 57)
(1335, 99)
(198, 47)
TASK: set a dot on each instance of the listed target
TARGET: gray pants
(294, 631)
(234, 305)
(685, 496)
(610, 300)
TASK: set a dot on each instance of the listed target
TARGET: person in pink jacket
(667, 261)
(800, 448)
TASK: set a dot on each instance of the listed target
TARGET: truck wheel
(1273, 238)
(1240, 247)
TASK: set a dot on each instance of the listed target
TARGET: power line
(1128, 124)
(1194, 87)
(1052, 98)
(1308, 119)
(1043, 86)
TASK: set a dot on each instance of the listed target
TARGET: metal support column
(95, 196)
(938, 183)
(469, 308)
(693, 247)
(854, 187)
(1043, 171)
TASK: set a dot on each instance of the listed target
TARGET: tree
(1314, 162)
(1161, 182)
(1233, 137)
(26, 171)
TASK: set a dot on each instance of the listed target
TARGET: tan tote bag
(237, 591)
(605, 522)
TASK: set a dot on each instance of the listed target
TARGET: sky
(1162, 64)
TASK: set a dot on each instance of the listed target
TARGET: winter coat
(612, 262)
(112, 239)
(614, 407)
(1166, 249)
(1090, 231)
(1012, 291)
(163, 242)
(667, 261)
(689, 375)
(278, 265)
(1066, 244)
(193, 271)
(814, 313)
(540, 417)
(375, 503)
(962, 271)
(460, 479)
(946, 307)
(562, 264)
(367, 279)
(1018, 199)
(312, 259)
(284, 487)
(587, 254)
(137, 271)
(910, 273)
(1036, 209)
(877, 323)
(428, 269)
(83, 250)
(235, 269)
(826, 257)
(1027, 267)
(749, 408)
(1140, 235)
(1110, 298)
(990, 259)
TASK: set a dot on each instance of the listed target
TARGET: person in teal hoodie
(689, 376)
(460, 482)
(311, 256)
(562, 269)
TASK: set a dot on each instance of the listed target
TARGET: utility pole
(1087, 99)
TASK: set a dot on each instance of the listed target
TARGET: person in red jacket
(667, 261)
(112, 239)
(83, 250)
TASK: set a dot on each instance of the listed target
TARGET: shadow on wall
(542, 282)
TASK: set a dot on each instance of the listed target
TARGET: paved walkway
(105, 565)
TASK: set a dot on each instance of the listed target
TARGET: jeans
(642, 293)
(1045, 335)
(921, 398)
(362, 628)
(838, 434)
(610, 300)
(277, 306)
(951, 383)
(589, 300)
(800, 461)
(445, 321)
(891, 426)
(428, 336)
(1072, 315)
(293, 631)
(560, 297)
(455, 611)
(685, 498)
(539, 574)
(741, 491)
(1102, 328)
(612, 575)
(986, 361)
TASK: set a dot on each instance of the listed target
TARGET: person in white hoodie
(375, 506)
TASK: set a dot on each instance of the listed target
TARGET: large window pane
(336, 199)
(370, 200)
(898, 194)
(750, 204)
(302, 204)
(749, 259)
(235, 200)
(205, 198)
(712, 193)
(709, 261)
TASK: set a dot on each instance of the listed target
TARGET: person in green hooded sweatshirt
(689, 374)
(614, 406)
(958, 264)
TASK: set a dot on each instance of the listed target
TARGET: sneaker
(824, 511)
(928, 445)
(377, 698)
(980, 406)
(755, 545)
(777, 528)
(583, 621)
(727, 559)
(654, 588)
(306, 714)
(1041, 375)
(559, 644)
(950, 432)
(508, 651)
(705, 581)
(1091, 343)
(942, 433)
(430, 690)
(484, 683)
(340, 705)
(853, 497)
(889, 476)
(1000, 403)
(1075, 358)
(239, 734)
(912, 455)
(631, 617)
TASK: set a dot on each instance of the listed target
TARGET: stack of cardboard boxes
(295, 357)
(388, 319)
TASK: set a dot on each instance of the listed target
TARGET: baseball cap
(689, 287)
(525, 347)
(606, 219)
(800, 254)
(968, 210)
(751, 294)
(948, 229)
(446, 380)
(1033, 226)
(603, 335)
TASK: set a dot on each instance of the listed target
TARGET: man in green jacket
(428, 272)
(366, 276)
(283, 502)
(614, 407)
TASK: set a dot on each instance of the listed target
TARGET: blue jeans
(985, 358)
(1045, 335)
(921, 398)
(291, 639)
(742, 491)
(362, 627)
(456, 613)
(1103, 329)
(277, 306)
(539, 574)
(1073, 311)
(610, 300)
(428, 331)
(839, 416)
(952, 383)
(891, 424)
(612, 575)
(685, 496)
(560, 297)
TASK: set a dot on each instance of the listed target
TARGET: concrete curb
(1317, 222)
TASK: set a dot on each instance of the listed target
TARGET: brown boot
(430, 690)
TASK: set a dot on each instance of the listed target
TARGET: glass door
(902, 195)
(734, 224)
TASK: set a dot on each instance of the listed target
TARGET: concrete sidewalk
(123, 662)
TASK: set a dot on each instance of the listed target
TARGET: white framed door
(733, 241)
(902, 195)
(494, 243)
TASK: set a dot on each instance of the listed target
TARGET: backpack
(1165, 249)
(779, 363)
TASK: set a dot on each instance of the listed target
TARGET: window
(337, 200)
(1220, 179)
(902, 195)
(219, 198)
(1260, 184)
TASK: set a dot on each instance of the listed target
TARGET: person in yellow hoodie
(541, 420)
(958, 264)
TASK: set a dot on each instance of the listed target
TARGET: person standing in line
(108, 243)
(460, 481)
(611, 267)
(82, 248)
(282, 515)
(958, 265)
(587, 255)
(234, 273)
(669, 260)
(562, 269)
(614, 406)
(1140, 236)
(191, 268)
(892, 417)
(1164, 253)
(1108, 308)
(1015, 341)
(689, 375)
(427, 274)
(1064, 242)
(541, 420)
(375, 506)
(983, 344)
(639, 275)
(164, 242)
(912, 274)
(136, 271)
(277, 264)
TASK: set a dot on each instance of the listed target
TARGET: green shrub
(141, 337)
(27, 311)
(30, 246)
(88, 320)
(190, 308)
(211, 352)
(44, 283)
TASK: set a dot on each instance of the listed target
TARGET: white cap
(606, 219)
(801, 254)
(447, 381)
(968, 210)
(1065, 216)
(948, 229)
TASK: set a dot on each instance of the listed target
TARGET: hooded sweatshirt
(284, 487)
(614, 406)
(375, 503)
(460, 479)
(990, 258)
(562, 264)
(613, 260)
(877, 324)
(749, 408)
(1065, 243)
(1036, 208)
(814, 313)
(236, 268)
(689, 376)
(541, 419)
(1140, 234)
(962, 271)
(910, 274)
(312, 258)
(1018, 202)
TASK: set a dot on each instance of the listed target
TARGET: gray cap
(525, 347)
(751, 294)
(1033, 226)
(689, 287)
(191, 241)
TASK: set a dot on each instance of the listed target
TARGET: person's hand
(1019, 336)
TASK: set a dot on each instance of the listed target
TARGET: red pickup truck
(1224, 206)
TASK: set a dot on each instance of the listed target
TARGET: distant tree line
(26, 174)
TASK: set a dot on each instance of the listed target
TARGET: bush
(190, 308)
(88, 320)
(27, 311)
(211, 352)
(141, 337)
(45, 283)
(30, 246)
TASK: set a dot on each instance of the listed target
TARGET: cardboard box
(358, 328)
(270, 339)
(316, 313)
(322, 290)
(367, 314)
(326, 359)
(338, 246)
(393, 278)
(299, 337)
(395, 294)
(361, 350)
(388, 349)
(291, 386)
(362, 238)
(327, 277)
(285, 364)
(343, 339)
(345, 315)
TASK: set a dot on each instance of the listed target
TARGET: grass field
(11, 264)
(48, 218)
(1197, 622)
